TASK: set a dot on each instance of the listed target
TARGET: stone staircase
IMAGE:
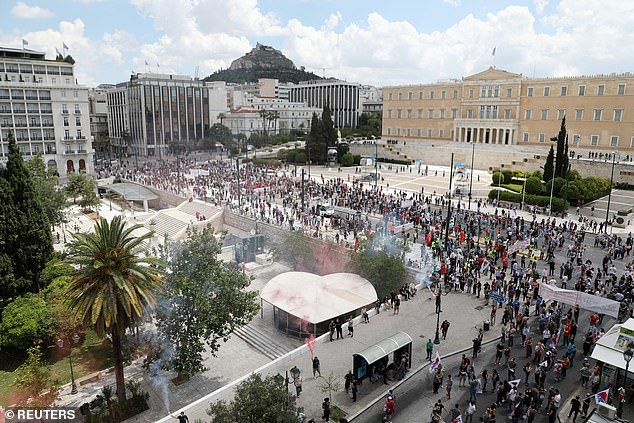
(264, 338)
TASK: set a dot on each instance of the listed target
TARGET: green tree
(34, 377)
(380, 263)
(27, 321)
(559, 184)
(329, 385)
(54, 269)
(498, 178)
(508, 176)
(26, 243)
(316, 141)
(45, 183)
(549, 166)
(257, 400)
(84, 187)
(347, 160)
(328, 130)
(204, 301)
(293, 250)
(115, 283)
(561, 158)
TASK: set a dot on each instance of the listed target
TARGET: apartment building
(45, 108)
(499, 107)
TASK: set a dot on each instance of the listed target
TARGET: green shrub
(508, 175)
(347, 160)
(533, 185)
(394, 161)
(559, 183)
(26, 322)
(537, 174)
(533, 200)
(356, 160)
(498, 178)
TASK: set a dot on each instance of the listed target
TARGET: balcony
(20, 125)
(77, 112)
(36, 138)
(80, 137)
(6, 125)
(18, 97)
(82, 152)
(69, 152)
(47, 124)
(4, 97)
(64, 112)
(66, 139)
(33, 111)
(7, 111)
(21, 111)
(49, 138)
(48, 98)
(51, 151)
(31, 97)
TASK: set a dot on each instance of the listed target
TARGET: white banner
(518, 246)
(586, 301)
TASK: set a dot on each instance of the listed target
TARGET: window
(560, 114)
(582, 90)
(541, 137)
(398, 114)
(442, 113)
(400, 96)
(471, 93)
(576, 139)
(409, 113)
(75, 93)
(79, 134)
(420, 95)
(579, 114)
(389, 113)
(621, 89)
(77, 109)
(618, 115)
(66, 133)
(389, 97)
(408, 132)
(53, 80)
(544, 114)
(455, 93)
(409, 95)
(594, 140)
(614, 141)
(420, 113)
(525, 137)
(398, 132)
(441, 133)
(469, 113)
(429, 133)
(443, 94)
(66, 121)
(598, 113)
(546, 91)
(67, 81)
(431, 95)
(600, 89)
(63, 93)
(529, 92)
(528, 114)
(454, 113)
(509, 92)
(77, 121)
(430, 113)
(507, 113)
(418, 132)
(632, 142)
(389, 130)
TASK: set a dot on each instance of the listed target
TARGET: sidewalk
(417, 318)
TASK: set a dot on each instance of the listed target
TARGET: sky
(375, 42)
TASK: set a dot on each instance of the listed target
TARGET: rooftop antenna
(196, 72)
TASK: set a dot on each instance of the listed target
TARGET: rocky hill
(262, 62)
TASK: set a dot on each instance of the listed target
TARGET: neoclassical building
(500, 107)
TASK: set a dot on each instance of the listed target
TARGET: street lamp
(60, 343)
(471, 178)
(376, 163)
(437, 337)
(627, 356)
(552, 185)
(607, 212)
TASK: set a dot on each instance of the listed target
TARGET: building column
(458, 136)
(477, 134)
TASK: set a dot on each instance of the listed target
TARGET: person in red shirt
(389, 408)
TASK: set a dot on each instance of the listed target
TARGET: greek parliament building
(45, 109)
(158, 114)
(500, 107)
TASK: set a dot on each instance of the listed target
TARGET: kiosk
(379, 353)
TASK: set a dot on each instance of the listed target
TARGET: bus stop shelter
(397, 344)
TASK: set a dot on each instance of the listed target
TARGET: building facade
(98, 113)
(43, 106)
(157, 114)
(500, 107)
(284, 117)
(340, 96)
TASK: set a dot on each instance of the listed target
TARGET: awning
(609, 348)
(385, 347)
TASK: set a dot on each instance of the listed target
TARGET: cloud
(24, 11)
(454, 3)
(540, 5)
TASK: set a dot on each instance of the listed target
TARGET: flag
(485, 265)
(24, 43)
(457, 419)
(515, 383)
(601, 396)
(57, 51)
(158, 66)
(493, 53)
(435, 363)
(65, 46)
(544, 364)
(146, 63)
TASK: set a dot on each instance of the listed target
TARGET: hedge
(394, 161)
(533, 200)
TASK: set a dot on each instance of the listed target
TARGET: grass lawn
(513, 187)
(93, 355)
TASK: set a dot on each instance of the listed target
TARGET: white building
(342, 97)
(42, 104)
(285, 117)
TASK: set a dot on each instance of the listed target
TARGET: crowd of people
(486, 252)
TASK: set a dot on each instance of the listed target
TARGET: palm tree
(114, 287)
